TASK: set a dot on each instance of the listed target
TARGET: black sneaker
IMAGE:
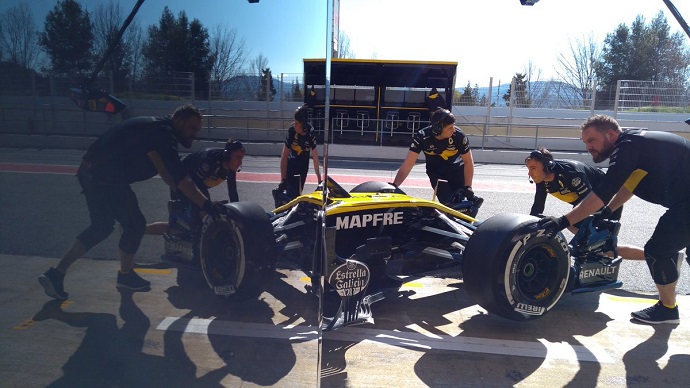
(657, 314)
(52, 282)
(132, 281)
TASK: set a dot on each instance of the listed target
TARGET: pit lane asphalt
(179, 334)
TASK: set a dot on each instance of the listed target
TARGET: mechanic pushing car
(654, 166)
(132, 151)
(207, 168)
(570, 181)
(448, 157)
(300, 144)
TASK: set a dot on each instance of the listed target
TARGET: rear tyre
(237, 254)
(512, 270)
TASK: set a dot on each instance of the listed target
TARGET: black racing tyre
(375, 187)
(512, 270)
(237, 250)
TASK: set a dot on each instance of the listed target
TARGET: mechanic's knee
(94, 234)
(664, 270)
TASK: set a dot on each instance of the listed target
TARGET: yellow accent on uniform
(295, 145)
(209, 182)
(569, 198)
(446, 154)
(634, 179)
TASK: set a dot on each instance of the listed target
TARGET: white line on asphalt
(537, 349)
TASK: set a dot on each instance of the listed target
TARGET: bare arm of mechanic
(315, 157)
(189, 189)
(589, 205)
(405, 168)
(621, 197)
(283, 163)
(468, 167)
(186, 185)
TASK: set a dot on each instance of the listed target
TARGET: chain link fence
(652, 96)
(31, 104)
(183, 86)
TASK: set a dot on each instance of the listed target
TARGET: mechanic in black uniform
(207, 168)
(299, 145)
(434, 101)
(655, 166)
(570, 181)
(132, 151)
(448, 156)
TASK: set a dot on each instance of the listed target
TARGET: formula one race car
(368, 241)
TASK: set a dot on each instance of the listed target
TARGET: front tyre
(513, 270)
(237, 252)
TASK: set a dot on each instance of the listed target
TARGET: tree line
(73, 40)
(642, 51)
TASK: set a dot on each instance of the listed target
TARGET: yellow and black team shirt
(206, 170)
(120, 155)
(572, 182)
(300, 146)
(654, 165)
(443, 152)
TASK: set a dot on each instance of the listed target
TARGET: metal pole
(330, 16)
(510, 108)
(282, 124)
(594, 96)
(615, 102)
(488, 113)
(678, 16)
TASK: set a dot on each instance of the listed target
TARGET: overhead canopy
(414, 74)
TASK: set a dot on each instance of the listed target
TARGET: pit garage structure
(377, 101)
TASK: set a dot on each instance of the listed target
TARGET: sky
(487, 38)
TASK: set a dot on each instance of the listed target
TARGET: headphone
(302, 114)
(437, 127)
(547, 162)
(230, 147)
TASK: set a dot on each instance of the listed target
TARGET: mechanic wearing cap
(448, 156)
(135, 150)
(207, 168)
(654, 166)
(299, 145)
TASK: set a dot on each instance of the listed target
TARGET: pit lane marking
(417, 341)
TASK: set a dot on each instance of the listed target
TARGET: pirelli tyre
(513, 270)
(237, 250)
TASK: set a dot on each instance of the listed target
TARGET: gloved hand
(553, 225)
(469, 193)
(603, 214)
(214, 209)
(282, 186)
(393, 184)
(319, 187)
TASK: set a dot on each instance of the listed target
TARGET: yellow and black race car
(368, 241)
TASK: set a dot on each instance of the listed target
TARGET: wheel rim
(537, 274)
(223, 254)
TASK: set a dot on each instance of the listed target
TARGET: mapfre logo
(368, 220)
